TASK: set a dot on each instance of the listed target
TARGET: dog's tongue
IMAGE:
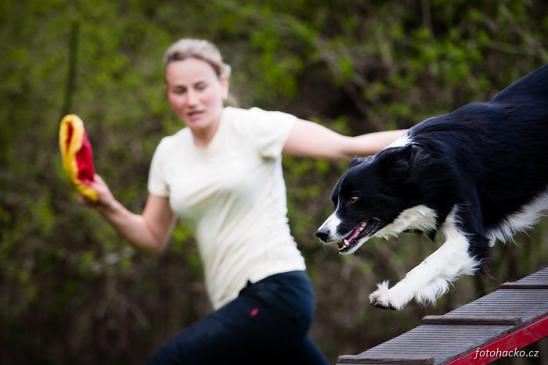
(354, 234)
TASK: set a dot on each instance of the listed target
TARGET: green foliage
(73, 292)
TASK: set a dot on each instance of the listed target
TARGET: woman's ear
(225, 83)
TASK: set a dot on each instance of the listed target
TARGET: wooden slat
(525, 285)
(472, 320)
(408, 360)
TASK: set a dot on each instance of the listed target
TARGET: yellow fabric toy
(77, 155)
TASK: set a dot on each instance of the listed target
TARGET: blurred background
(72, 292)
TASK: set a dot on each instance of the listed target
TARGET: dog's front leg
(430, 279)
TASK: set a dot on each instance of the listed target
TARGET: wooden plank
(496, 349)
(503, 320)
(408, 360)
(525, 285)
(472, 320)
(440, 342)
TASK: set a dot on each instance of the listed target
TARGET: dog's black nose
(322, 234)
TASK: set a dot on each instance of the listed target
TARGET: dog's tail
(532, 86)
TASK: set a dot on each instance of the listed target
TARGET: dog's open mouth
(364, 229)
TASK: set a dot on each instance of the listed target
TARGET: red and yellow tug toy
(77, 155)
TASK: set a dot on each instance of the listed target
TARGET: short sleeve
(268, 130)
(157, 183)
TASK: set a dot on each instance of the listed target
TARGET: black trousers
(267, 324)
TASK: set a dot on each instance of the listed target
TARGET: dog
(476, 175)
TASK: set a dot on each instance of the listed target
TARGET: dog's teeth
(345, 242)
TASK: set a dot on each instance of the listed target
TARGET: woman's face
(195, 93)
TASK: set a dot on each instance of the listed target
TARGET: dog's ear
(398, 158)
(397, 162)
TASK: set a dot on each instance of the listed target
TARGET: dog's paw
(386, 298)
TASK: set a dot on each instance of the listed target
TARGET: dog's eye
(354, 199)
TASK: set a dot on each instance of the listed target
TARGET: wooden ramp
(482, 331)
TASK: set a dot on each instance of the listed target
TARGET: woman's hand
(105, 199)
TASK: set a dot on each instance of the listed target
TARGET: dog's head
(369, 197)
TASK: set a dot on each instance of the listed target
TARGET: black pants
(266, 324)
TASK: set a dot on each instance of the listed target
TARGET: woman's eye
(354, 199)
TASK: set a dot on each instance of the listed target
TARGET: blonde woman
(223, 175)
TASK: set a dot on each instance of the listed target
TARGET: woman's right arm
(149, 232)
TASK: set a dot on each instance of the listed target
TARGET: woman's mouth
(194, 115)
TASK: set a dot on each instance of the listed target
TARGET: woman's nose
(192, 98)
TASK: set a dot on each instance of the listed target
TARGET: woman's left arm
(308, 139)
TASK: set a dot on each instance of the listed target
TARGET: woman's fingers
(104, 195)
(99, 179)
(82, 199)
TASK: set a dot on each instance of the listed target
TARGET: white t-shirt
(233, 195)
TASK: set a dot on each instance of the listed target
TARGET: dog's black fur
(480, 165)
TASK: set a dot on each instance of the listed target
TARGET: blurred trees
(72, 292)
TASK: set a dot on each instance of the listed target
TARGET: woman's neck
(203, 137)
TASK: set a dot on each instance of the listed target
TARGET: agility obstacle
(494, 326)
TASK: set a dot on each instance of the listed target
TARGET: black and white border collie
(478, 174)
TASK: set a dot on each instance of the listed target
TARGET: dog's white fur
(400, 142)
(431, 278)
(420, 217)
(331, 224)
(526, 218)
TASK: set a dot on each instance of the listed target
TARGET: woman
(223, 175)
